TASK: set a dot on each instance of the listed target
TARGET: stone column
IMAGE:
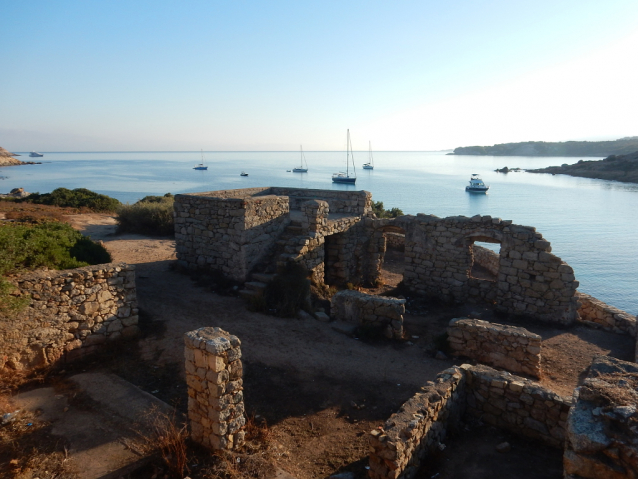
(215, 397)
(315, 216)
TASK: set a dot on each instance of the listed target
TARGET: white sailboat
(370, 164)
(301, 168)
(342, 177)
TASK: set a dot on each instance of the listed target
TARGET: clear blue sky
(247, 75)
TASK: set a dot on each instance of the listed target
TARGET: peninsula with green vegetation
(614, 167)
(622, 146)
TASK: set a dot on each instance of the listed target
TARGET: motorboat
(35, 154)
(243, 173)
(301, 168)
(370, 164)
(342, 177)
(476, 184)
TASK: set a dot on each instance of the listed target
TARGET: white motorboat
(35, 154)
(476, 185)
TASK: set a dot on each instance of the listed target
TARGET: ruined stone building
(337, 237)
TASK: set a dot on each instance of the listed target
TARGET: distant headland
(617, 168)
(7, 159)
(622, 146)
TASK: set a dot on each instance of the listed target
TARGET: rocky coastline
(622, 146)
(617, 168)
(6, 158)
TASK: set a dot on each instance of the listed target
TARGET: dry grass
(33, 213)
(26, 448)
(168, 435)
(624, 390)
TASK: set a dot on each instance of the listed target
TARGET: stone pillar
(315, 216)
(215, 397)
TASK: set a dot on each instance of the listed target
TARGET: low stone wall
(602, 315)
(380, 312)
(486, 258)
(418, 428)
(72, 313)
(601, 427)
(518, 404)
(343, 202)
(215, 388)
(512, 348)
(402, 444)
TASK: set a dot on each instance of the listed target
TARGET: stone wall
(486, 258)
(394, 240)
(602, 315)
(518, 404)
(602, 426)
(356, 203)
(71, 314)
(512, 348)
(531, 281)
(215, 388)
(227, 234)
(376, 312)
(419, 427)
(402, 444)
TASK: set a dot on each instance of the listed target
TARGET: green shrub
(289, 291)
(77, 198)
(381, 212)
(53, 245)
(152, 215)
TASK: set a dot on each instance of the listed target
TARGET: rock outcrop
(6, 159)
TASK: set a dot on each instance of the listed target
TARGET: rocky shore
(7, 160)
(618, 168)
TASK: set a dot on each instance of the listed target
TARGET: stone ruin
(336, 236)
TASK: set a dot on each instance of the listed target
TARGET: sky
(246, 75)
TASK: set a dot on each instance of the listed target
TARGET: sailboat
(201, 165)
(301, 168)
(342, 177)
(370, 164)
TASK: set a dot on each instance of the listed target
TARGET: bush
(289, 291)
(53, 245)
(152, 215)
(77, 198)
(381, 212)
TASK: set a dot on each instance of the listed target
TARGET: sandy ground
(320, 390)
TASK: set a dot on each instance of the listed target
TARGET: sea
(590, 223)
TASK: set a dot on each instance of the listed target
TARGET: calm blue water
(590, 223)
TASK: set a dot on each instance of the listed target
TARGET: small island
(622, 146)
(617, 168)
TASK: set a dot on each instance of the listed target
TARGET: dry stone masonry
(600, 314)
(215, 388)
(418, 428)
(509, 347)
(421, 425)
(602, 427)
(72, 313)
(518, 404)
(337, 237)
(531, 281)
(377, 312)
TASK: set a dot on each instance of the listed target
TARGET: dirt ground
(318, 390)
